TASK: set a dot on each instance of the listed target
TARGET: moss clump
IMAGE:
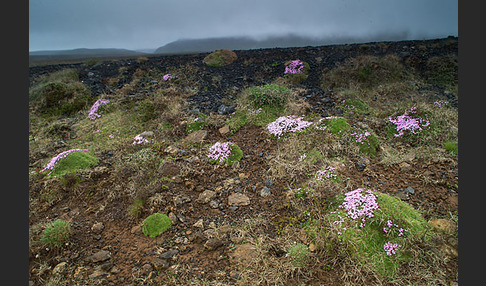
(220, 58)
(269, 94)
(300, 254)
(73, 162)
(337, 125)
(367, 241)
(156, 224)
(58, 94)
(56, 234)
(366, 72)
(442, 70)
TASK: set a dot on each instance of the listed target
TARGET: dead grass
(365, 72)
(322, 149)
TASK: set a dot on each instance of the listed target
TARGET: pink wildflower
(220, 151)
(407, 123)
(359, 205)
(294, 67)
(390, 248)
(287, 124)
(167, 77)
(92, 112)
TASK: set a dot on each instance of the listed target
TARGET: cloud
(65, 24)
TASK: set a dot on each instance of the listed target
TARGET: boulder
(238, 199)
(196, 136)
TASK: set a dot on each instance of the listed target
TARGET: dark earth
(127, 257)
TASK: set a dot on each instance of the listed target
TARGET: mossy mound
(156, 224)
(56, 234)
(73, 162)
(269, 94)
(59, 94)
(395, 221)
(220, 58)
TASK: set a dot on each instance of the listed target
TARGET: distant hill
(185, 46)
(77, 54)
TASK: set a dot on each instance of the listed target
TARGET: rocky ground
(208, 204)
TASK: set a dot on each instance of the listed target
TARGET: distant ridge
(82, 53)
(185, 46)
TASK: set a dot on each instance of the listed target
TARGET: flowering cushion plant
(296, 71)
(168, 77)
(378, 226)
(226, 152)
(55, 160)
(405, 123)
(295, 66)
(287, 124)
(368, 143)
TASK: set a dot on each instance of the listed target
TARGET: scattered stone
(173, 218)
(172, 150)
(105, 266)
(160, 264)
(312, 247)
(97, 227)
(59, 269)
(169, 254)
(115, 270)
(196, 136)
(182, 199)
(225, 130)
(101, 255)
(136, 229)
(409, 190)
(199, 224)
(213, 204)
(147, 268)
(213, 243)
(268, 183)
(97, 274)
(224, 109)
(402, 195)
(210, 233)
(265, 192)
(226, 228)
(238, 199)
(405, 167)
(360, 166)
(206, 196)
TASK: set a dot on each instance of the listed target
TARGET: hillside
(79, 54)
(274, 212)
(184, 46)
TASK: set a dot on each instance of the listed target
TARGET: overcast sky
(146, 24)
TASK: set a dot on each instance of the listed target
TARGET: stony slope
(212, 228)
